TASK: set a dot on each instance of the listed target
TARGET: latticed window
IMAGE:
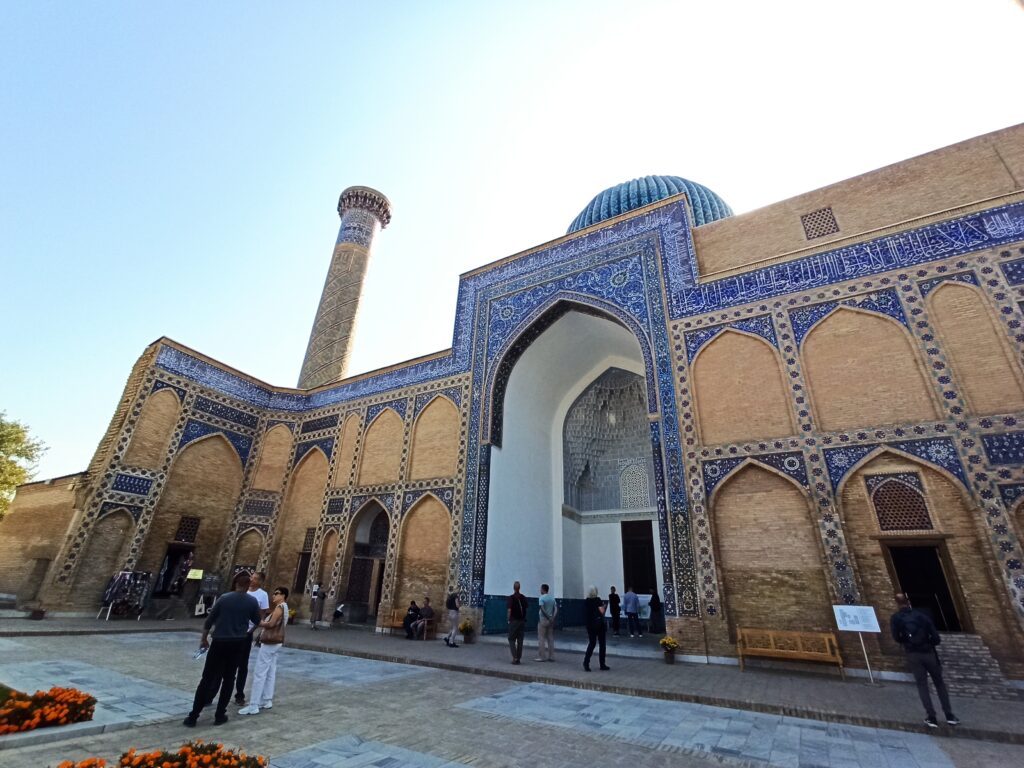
(188, 530)
(307, 543)
(634, 488)
(899, 502)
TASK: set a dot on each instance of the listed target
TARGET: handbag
(273, 634)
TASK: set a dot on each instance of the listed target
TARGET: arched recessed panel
(204, 483)
(273, 462)
(346, 451)
(435, 443)
(148, 447)
(423, 554)
(300, 512)
(382, 450)
(980, 358)
(863, 371)
(740, 390)
(248, 549)
(769, 554)
(104, 555)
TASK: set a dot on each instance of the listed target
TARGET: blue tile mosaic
(1004, 449)
(974, 232)
(195, 429)
(839, 461)
(325, 444)
(1014, 271)
(398, 406)
(112, 506)
(1010, 493)
(336, 506)
(911, 479)
(131, 484)
(445, 495)
(221, 411)
(452, 393)
(761, 325)
(791, 463)
(258, 507)
(315, 425)
(884, 302)
(716, 471)
(939, 451)
(158, 385)
(386, 500)
(927, 286)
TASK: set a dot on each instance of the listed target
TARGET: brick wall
(301, 510)
(148, 447)
(346, 451)
(105, 554)
(769, 554)
(382, 450)
(862, 371)
(423, 554)
(248, 548)
(435, 444)
(740, 391)
(981, 358)
(273, 461)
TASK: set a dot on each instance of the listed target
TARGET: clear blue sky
(173, 169)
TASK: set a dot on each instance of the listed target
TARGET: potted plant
(467, 630)
(669, 645)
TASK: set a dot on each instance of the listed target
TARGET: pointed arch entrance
(538, 528)
(366, 557)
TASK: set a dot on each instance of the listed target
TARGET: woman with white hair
(594, 610)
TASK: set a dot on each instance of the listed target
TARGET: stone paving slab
(352, 751)
(345, 671)
(727, 734)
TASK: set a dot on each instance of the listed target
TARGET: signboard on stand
(859, 619)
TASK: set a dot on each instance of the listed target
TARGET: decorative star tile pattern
(131, 484)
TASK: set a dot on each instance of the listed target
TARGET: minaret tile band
(363, 213)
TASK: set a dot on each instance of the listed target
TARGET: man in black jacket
(229, 618)
(915, 631)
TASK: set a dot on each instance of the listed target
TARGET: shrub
(57, 706)
(192, 755)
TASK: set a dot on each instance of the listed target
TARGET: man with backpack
(915, 631)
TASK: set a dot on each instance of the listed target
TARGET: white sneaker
(252, 709)
(268, 705)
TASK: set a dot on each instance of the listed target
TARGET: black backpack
(916, 633)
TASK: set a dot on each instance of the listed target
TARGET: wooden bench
(781, 644)
(396, 624)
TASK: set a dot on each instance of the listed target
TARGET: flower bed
(57, 706)
(195, 754)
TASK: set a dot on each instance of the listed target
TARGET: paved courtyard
(341, 710)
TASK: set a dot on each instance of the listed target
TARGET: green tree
(18, 456)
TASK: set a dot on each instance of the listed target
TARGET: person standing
(452, 604)
(657, 621)
(257, 591)
(631, 604)
(593, 611)
(915, 631)
(516, 623)
(271, 639)
(229, 618)
(546, 625)
(615, 606)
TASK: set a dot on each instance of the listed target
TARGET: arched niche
(863, 371)
(769, 553)
(740, 390)
(153, 430)
(346, 451)
(365, 560)
(104, 555)
(382, 450)
(325, 569)
(194, 511)
(977, 350)
(248, 549)
(947, 550)
(273, 461)
(300, 512)
(435, 443)
(423, 554)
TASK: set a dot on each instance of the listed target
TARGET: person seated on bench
(411, 617)
(419, 627)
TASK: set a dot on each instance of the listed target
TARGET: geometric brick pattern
(819, 223)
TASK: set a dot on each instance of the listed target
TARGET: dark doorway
(301, 573)
(638, 556)
(921, 577)
(170, 579)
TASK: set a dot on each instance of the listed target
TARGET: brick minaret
(363, 212)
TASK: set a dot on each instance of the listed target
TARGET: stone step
(969, 668)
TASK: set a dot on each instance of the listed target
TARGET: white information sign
(856, 618)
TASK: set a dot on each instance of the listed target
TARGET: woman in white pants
(270, 642)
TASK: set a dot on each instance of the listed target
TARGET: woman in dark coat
(593, 610)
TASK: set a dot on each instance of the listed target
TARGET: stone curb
(63, 733)
(961, 732)
(88, 631)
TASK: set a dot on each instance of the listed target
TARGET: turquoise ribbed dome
(623, 198)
